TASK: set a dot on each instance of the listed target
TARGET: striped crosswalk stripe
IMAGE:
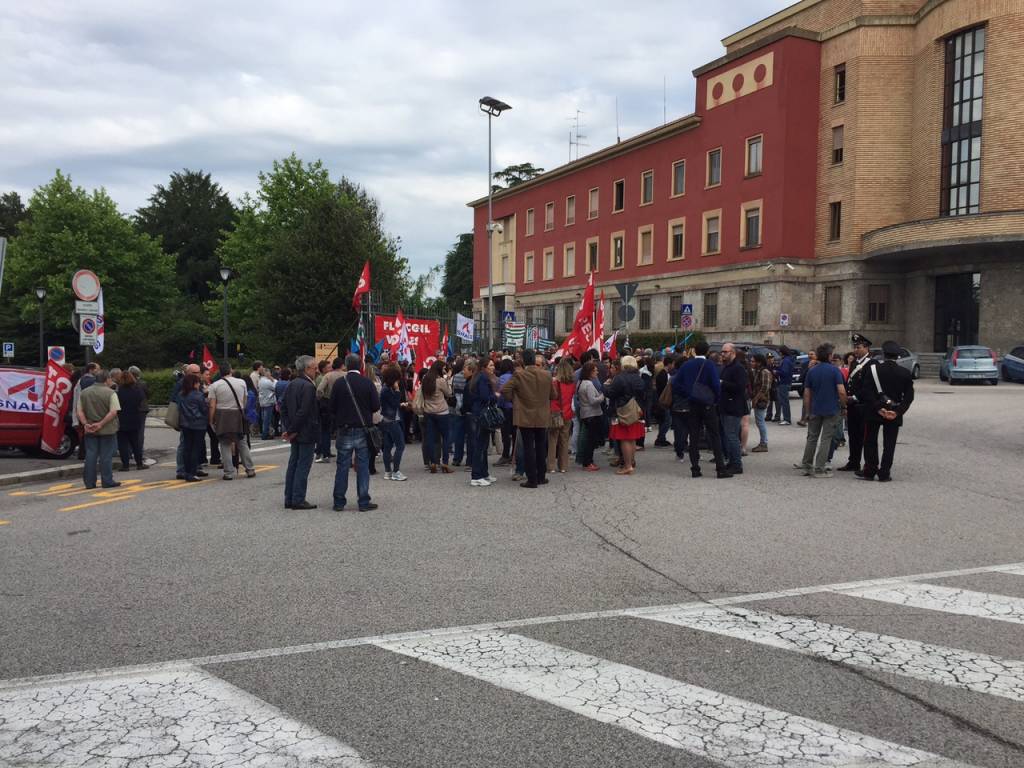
(933, 663)
(730, 731)
(947, 599)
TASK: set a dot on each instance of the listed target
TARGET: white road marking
(172, 718)
(933, 663)
(947, 599)
(728, 730)
(330, 645)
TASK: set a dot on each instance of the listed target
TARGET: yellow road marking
(5, 522)
(86, 505)
(48, 491)
(93, 490)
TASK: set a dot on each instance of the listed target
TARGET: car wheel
(995, 382)
(917, 372)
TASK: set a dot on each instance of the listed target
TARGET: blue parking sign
(8, 349)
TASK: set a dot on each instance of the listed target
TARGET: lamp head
(492, 106)
(226, 273)
(40, 293)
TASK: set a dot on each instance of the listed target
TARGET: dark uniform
(855, 409)
(894, 390)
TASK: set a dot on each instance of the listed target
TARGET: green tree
(516, 174)
(190, 217)
(72, 229)
(457, 285)
(12, 212)
(298, 249)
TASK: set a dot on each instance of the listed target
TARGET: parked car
(969, 363)
(907, 359)
(21, 413)
(1012, 368)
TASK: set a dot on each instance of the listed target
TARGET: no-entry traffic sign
(86, 285)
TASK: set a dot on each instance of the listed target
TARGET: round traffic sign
(88, 324)
(86, 285)
(687, 321)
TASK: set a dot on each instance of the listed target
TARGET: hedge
(160, 382)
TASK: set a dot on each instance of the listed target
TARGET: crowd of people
(519, 409)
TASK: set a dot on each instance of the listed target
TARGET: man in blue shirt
(703, 401)
(785, 371)
(824, 399)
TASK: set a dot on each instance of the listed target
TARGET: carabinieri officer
(855, 401)
(888, 393)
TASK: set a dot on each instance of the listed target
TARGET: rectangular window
(612, 321)
(712, 232)
(838, 137)
(833, 305)
(570, 210)
(962, 123)
(618, 250)
(714, 167)
(645, 246)
(755, 149)
(835, 220)
(593, 262)
(528, 267)
(549, 217)
(878, 303)
(676, 239)
(593, 197)
(678, 178)
(619, 196)
(647, 188)
(569, 260)
(568, 316)
(549, 263)
(751, 226)
(504, 267)
(839, 78)
(710, 309)
(750, 297)
(645, 314)
(675, 305)
(529, 221)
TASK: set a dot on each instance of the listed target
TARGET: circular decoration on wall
(717, 91)
(737, 83)
(760, 73)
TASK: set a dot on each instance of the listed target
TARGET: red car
(21, 413)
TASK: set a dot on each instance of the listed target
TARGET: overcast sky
(120, 93)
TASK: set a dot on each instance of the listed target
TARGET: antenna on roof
(575, 137)
(664, 99)
(618, 136)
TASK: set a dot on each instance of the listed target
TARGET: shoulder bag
(701, 393)
(373, 433)
(172, 417)
(665, 398)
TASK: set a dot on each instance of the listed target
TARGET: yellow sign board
(326, 350)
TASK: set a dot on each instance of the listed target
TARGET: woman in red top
(563, 387)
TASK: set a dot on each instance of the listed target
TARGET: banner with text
(55, 406)
(424, 335)
(22, 392)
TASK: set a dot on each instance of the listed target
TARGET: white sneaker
(785, 423)
(479, 483)
(387, 475)
(491, 479)
(398, 476)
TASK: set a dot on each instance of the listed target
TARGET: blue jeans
(469, 428)
(180, 454)
(99, 448)
(762, 426)
(783, 394)
(394, 444)
(436, 424)
(481, 442)
(664, 424)
(457, 436)
(352, 442)
(731, 427)
(266, 420)
(296, 477)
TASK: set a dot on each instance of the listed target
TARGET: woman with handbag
(591, 415)
(563, 387)
(625, 392)
(436, 391)
(487, 416)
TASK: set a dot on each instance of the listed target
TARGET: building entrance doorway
(957, 304)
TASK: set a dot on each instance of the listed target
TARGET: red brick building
(814, 179)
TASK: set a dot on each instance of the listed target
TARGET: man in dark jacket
(888, 393)
(702, 413)
(354, 400)
(530, 392)
(300, 411)
(733, 407)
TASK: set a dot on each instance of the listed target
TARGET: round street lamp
(41, 296)
(226, 274)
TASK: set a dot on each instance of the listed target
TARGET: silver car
(907, 359)
(972, 362)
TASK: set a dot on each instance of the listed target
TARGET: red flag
(599, 328)
(209, 364)
(611, 346)
(582, 335)
(361, 288)
(56, 400)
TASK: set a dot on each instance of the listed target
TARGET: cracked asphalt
(217, 578)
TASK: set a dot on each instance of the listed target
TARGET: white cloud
(120, 93)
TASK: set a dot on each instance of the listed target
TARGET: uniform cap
(860, 340)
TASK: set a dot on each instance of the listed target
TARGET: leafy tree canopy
(12, 211)
(190, 217)
(298, 249)
(457, 286)
(516, 174)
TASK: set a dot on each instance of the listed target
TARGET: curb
(50, 473)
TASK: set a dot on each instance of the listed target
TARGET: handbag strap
(233, 393)
(359, 413)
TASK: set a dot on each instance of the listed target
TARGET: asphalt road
(203, 624)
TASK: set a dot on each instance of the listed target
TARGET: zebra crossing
(186, 712)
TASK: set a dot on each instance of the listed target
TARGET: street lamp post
(41, 295)
(492, 108)
(226, 274)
